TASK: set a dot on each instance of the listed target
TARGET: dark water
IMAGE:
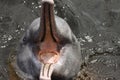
(96, 23)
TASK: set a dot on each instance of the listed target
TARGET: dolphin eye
(24, 39)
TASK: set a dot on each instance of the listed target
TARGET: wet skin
(48, 37)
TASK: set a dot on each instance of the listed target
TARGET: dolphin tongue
(46, 71)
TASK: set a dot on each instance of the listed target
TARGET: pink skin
(50, 1)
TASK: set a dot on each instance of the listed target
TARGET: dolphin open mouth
(48, 54)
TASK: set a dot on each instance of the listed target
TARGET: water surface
(96, 23)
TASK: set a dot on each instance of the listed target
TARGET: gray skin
(28, 66)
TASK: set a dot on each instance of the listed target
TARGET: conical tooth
(46, 71)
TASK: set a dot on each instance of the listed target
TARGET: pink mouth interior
(49, 58)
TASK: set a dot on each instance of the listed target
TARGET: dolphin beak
(48, 61)
(46, 71)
